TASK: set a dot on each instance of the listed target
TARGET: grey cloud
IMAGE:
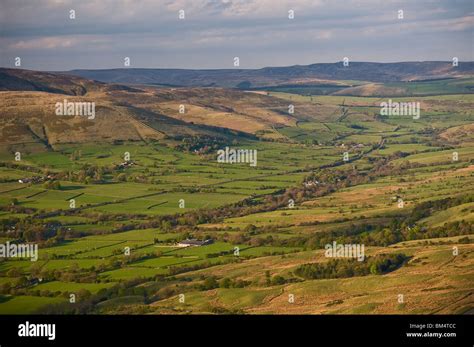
(216, 30)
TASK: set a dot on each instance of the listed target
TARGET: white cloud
(45, 43)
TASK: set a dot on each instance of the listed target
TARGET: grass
(128, 273)
(71, 287)
(163, 175)
(26, 304)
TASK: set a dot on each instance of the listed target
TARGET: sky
(213, 32)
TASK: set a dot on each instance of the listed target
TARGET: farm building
(194, 242)
(124, 165)
(36, 179)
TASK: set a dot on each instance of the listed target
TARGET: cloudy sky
(213, 32)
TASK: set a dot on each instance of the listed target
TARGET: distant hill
(142, 112)
(28, 80)
(274, 76)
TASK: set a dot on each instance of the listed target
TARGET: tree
(55, 185)
(277, 280)
(267, 278)
(225, 283)
(14, 272)
(122, 177)
(210, 283)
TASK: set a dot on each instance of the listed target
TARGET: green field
(119, 244)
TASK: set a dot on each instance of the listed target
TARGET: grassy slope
(438, 284)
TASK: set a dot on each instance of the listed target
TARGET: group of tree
(342, 268)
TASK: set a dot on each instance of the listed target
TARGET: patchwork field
(134, 214)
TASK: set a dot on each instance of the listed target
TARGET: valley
(110, 200)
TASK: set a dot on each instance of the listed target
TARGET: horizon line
(236, 68)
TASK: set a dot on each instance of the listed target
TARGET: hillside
(273, 76)
(124, 113)
(174, 189)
